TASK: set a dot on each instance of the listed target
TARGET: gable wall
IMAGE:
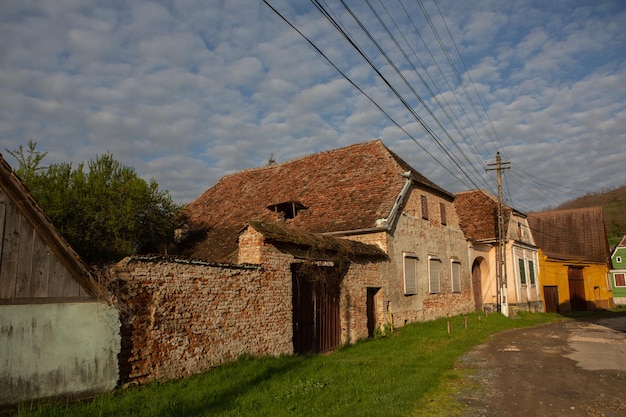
(28, 268)
(423, 238)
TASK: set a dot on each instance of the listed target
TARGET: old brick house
(363, 193)
(519, 287)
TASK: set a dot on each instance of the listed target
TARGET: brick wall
(183, 318)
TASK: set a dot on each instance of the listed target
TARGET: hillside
(613, 203)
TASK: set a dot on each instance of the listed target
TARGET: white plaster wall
(57, 349)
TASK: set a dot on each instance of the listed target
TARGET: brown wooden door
(576, 289)
(372, 320)
(551, 295)
(303, 319)
(315, 313)
(477, 286)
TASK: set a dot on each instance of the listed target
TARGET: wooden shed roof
(577, 234)
(340, 190)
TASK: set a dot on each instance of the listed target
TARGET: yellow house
(573, 259)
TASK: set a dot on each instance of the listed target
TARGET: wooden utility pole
(501, 275)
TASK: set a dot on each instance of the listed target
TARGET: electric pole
(501, 275)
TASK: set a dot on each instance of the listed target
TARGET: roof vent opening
(287, 210)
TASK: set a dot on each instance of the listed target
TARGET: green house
(618, 273)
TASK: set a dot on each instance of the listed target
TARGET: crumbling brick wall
(185, 317)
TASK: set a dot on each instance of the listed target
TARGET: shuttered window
(442, 210)
(424, 207)
(456, 276)
(434, 264)
(410, 274)
(522, 272)
(620, 280)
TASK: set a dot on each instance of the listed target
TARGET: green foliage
(105, 210)
(393, 376)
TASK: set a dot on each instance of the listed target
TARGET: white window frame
(409, 271)
(434, 274)
(615, 274)
(455, 266)
(618, 259)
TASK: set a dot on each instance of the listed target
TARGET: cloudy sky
(186, 91)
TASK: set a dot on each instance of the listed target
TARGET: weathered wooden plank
(24, 260)
(8, 262)
(3, 203)
(71, 288)
(40, 275)
(57, 276)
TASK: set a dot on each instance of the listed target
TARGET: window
(456, 276)
(522, 272)
(531, 272)
(410, 273)
(424, 207)
(433, 273)
(618, 259)
(442, 210)
(287, 210)
(620, 280)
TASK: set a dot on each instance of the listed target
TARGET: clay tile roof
(577, 234)
(338, 190)
(278, 233)
(622, 243)
(478, 214)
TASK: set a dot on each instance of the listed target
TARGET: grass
(409, 373)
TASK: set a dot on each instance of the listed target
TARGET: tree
(104, 209)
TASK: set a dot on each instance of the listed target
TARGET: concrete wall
(183, 318)
(57, 349)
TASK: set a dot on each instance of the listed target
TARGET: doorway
(576, 281)
(551, 295)
(477, 285)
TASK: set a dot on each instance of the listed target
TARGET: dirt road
(574, 368)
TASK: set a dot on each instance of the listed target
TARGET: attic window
(287, 210)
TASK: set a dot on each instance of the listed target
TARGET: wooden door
(576, 289)
(372, 319)
(303, 319)
(551, 296)
(315, 312)
(477, 286)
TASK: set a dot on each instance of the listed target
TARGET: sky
(187, 91)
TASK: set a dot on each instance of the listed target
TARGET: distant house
(363, 193)
(519, 289)
(574, 259)
(59, 337)
(618, 272)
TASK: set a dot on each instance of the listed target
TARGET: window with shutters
(424, 207)
(620, 280)
(434, 266)
(410, 273)
(456, 276)
(442, 210)
(522, 272)
(531, 272)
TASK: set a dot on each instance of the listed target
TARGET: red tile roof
(342, 190)
(577, 234)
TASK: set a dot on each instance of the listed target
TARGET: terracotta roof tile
(343, 189)
(571, 234)
(478, 214)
